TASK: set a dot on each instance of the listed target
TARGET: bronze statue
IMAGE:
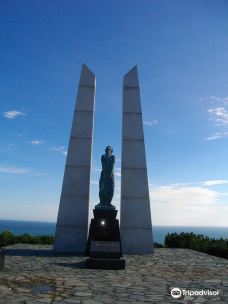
(106, 182)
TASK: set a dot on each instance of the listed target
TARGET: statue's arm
(113, 163)
(103, 166)
(102, 162)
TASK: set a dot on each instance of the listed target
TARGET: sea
(159, 232)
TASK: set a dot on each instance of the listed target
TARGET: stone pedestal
(72, 222)
(135, 217)
(104, 244)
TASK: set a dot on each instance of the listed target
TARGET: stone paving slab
(37, 278)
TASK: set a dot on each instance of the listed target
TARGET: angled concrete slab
(72, 222)
(135, 215)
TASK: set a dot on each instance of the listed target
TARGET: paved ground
(146, 279)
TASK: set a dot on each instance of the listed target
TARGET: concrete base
(70, 239)
(104, 235)
(137, 241)
(109, 264)
(104, 244)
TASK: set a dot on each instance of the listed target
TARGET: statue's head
(108, 150)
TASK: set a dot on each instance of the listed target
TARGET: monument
(135, 217)
(72, 221)
(104, 244)
(105, 240)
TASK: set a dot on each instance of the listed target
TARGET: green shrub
(198, 242)
(8, 238)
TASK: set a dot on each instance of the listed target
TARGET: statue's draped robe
(106, 183)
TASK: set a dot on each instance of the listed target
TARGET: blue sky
(181, 49)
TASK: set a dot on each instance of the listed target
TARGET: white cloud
(117, 172)
(37, 142)
(219, 115)
(217, 135)
(13, 170)
(187, 205)
(60, 149)
(13, 114)
(215, 182)
(223, 100)
(181, 194)
(94, 182)
(150, 123)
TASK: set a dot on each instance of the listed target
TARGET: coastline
(159, 231)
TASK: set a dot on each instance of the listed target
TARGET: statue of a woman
(106, 183)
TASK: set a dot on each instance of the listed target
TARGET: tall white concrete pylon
(72, 222)
(135, 216)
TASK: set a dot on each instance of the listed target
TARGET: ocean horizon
(159, 231)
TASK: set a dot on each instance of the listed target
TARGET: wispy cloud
(217, 135)
(37, 142)
(150, 123)
(215, 182)
(13, 170)
(218, 114)
(181, 194)
(190, 204)
(60, 149)
(13, 114)
(223, 100)
(94, 182)
(117, 172)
